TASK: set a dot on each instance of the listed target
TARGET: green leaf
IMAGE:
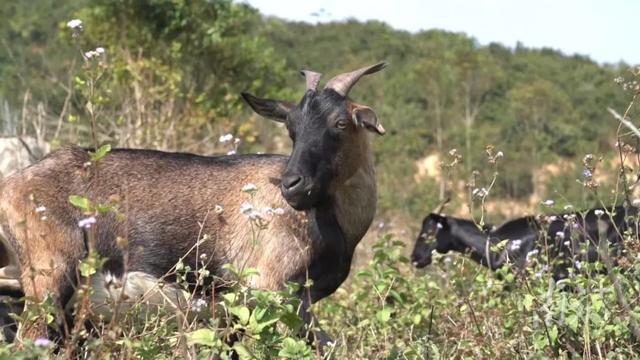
(258, 314)
(205, 337)
(250, 272)
(596, 302)
(100, 153)
(553, 334)
(383, 315)
(242, 351)
(294, 349)
(528, 301)
(86, 269)
(230, 298)
(540, 342)
(499, 246)
(242, 312)
(572, 322)
(258, 328)
(292, 321)
(80, 202)
(104, 208)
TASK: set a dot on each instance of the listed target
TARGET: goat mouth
(299, 200)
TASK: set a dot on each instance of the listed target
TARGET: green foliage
(460, 309)
(100, 153)
(80, 202)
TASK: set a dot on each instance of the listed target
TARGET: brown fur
(354, 185)
(172, 197)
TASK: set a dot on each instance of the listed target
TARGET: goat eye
(341, 124)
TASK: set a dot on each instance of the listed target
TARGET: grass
(456, 309)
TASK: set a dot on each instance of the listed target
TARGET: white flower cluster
(75, 25)
(86, 223)
(226, 138)
(515, 245)
(198, 305)
(231, 140)
(261, 215)
(92, 54)
(41, 210)
(480, 192)
(245, 208)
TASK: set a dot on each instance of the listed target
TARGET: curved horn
(342, 83)
(312, 78)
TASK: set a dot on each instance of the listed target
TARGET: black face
(433, 236)
(318, 125)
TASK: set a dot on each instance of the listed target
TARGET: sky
(605, 30)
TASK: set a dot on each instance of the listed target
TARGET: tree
(477, 74)
(542, 118)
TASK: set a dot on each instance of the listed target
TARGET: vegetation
(506, 126)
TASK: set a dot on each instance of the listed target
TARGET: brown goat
(165, 203)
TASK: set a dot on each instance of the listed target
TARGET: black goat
(562, 236)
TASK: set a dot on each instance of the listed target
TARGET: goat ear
(273, 109)
(365, 117)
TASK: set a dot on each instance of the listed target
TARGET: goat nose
(291, 181)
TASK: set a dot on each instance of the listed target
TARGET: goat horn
(312, 78)
(342, 83)
(440, 207)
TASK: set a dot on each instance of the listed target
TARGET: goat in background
(570, 238)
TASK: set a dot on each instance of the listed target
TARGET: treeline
(173, 72)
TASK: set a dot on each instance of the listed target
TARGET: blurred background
(532, 81)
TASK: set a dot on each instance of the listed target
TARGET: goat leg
(315, 335)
